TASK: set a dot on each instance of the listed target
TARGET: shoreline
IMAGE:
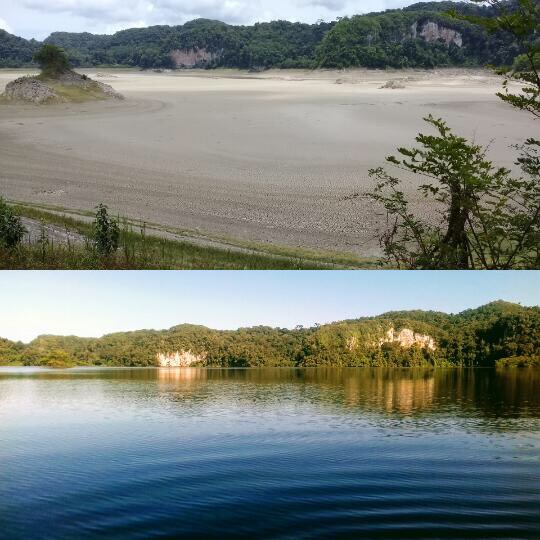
(254, 368)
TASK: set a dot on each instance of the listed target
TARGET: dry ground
(269, 158)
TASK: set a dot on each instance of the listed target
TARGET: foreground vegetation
(97, 241)
(489, 216)
(375, 40)
(496, 334)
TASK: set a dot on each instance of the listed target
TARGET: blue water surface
(269, 453)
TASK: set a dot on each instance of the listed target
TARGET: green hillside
(421, 35)
(479, 337)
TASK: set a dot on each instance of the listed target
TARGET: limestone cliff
(180, 359)
(407, 338)
(192, 58)
(432, 31)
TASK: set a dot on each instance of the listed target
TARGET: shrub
(52, 60)
(488, 218)
(57, 358)
(11, 228)
(519, 362)
(106, 232)
(522, 63)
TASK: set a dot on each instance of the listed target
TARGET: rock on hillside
(60, 89)
(180, 359)
(407, 338)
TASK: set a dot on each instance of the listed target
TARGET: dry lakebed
(265, 158)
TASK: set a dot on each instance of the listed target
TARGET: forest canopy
(395, 38)
(498, 332)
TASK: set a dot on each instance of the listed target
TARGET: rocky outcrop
(407, 338)
(393, 85)
(193, 58)
(179, 359)
(108, 91)
(352, 343)
(106, 76)
(31, 90)
(71, 78)
(432, 32)
(35, 90)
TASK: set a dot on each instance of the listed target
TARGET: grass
(141, 250)
(76, 94)
(73, 93)
(333, 259)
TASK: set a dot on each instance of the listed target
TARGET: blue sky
(39, 18)
(96, 303)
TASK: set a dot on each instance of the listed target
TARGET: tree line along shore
(498, 334)
(422, 35)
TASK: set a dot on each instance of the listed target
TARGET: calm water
(274, 453)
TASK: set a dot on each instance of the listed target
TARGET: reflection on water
(277, 453)
(386, 390)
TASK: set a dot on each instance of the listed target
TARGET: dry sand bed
(269, 158)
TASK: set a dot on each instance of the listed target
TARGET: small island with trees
(57, 82)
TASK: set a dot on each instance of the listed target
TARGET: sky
(39, 18)
(91, 304)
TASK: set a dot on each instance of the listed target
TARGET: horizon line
(315, 325)
(235, 25)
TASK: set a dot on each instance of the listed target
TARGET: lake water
(271, 453)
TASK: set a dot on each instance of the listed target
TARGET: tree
(11, 228)
(106, 232)
(476, 337)
(57, 358)
(490, 219)
(523, 24)
(52, 60)
(341, 43)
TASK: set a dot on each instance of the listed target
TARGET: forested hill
(421, 35)
(496, 333)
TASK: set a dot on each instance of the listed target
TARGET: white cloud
(122, 25)
(330, 5)
(94, 10)
(154, 11)
(38, 18)
(5, 26)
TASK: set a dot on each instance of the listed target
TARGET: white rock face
(191, 58)
(406, 338)
(432, 31)
(179, 359)
(32, 90)
(352, 343)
